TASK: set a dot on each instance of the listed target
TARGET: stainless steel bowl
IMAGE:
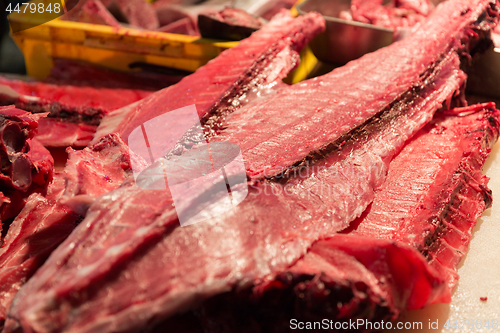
(343, 40)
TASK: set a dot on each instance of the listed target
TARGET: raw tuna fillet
(309, 119)
(81, 74)
(69, 106)
(175, 17)
(229, 23)
(40, 227)
(95, 12)
(265, 245)
(316, 202)
(433, 194)
(152, 269)
(47, 220)
(340, 279)
(26, 165)
(263, 59)
(396, 14)
(435, 190)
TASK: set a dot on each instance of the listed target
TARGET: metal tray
(343, 40)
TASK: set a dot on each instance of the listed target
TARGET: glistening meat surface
(97, 170)
(340, 280)
(401, 256)
(79, 103)
(137, 13)
(54, 132)
(16, 127)
(312, 117)
(77, 107)
(151, 268)
(48, 219)
(278, 229)
(26, 165)
(284, 219)
(263, 59)
(38, 229)
(435, 190)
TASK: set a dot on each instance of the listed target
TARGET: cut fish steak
(320, 201)
(151, 268)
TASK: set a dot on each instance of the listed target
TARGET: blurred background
(11, 58)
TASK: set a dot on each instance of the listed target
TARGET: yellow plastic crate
(117, 48)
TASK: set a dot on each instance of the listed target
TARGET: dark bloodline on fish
(253, 80)
(87, 115)
(374, 124)
(363, 276)
(217, 85)
(67, 100)
(213, 125)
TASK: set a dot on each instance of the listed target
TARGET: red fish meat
(68, 106)
(270, 230)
